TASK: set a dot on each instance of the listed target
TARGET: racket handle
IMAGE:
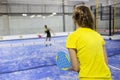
(39, 36)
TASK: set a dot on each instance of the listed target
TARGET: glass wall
(20, 17)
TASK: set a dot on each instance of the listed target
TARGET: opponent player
(48, 35)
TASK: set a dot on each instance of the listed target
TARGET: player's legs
(46, 41)
(50, 41)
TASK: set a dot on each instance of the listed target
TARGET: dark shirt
(47, 31)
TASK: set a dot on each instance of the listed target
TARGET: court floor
(30, 59)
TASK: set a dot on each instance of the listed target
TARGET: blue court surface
(30, 59)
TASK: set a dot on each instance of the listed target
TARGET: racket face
(63, 60)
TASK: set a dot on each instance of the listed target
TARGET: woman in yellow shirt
(86, 47)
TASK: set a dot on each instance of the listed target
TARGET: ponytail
(83, 16)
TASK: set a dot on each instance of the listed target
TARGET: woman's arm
(73, 57)
(105, 55)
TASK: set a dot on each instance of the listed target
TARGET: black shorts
(49, 35)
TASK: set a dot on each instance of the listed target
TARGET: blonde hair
(83, 16)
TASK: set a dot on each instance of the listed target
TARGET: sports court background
(23, 58)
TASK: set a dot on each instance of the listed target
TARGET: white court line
(114, 67)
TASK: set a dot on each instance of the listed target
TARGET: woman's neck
(77, 27)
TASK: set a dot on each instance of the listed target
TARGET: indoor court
(25, 56)
(28, 59)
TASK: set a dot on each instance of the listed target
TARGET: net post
(110, 20)
(96, 13)
(114, 17)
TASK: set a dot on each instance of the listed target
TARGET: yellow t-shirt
(89, 46)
